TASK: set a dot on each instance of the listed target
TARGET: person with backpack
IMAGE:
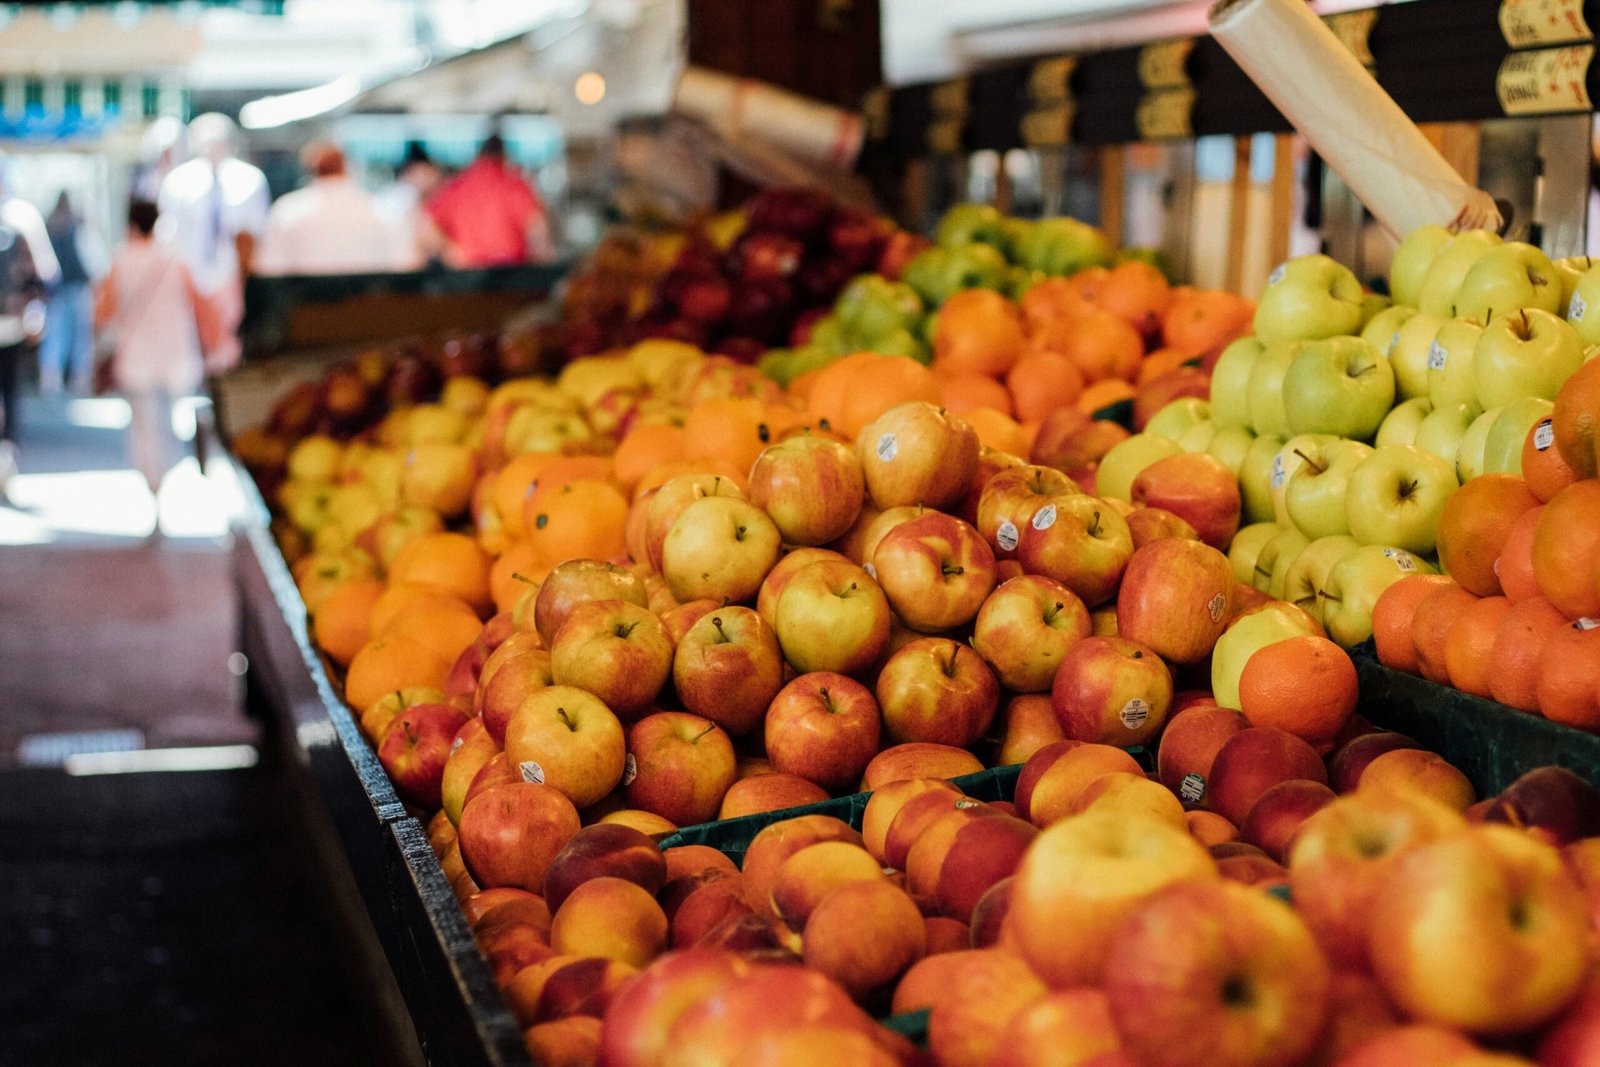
(27, 266)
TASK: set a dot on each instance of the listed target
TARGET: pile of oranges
(1517, 619)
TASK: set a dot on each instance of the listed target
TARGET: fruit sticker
(1215, 606)
(967, 802)
(1576, 309)
(1394, 339)
(531, 772)
(630, 770)
(1404, 561)
(1134, 713)
(1586, 624)
(871, 570)
(1544, 435)
(1278, 477)
(1277, 274)
(888, 447)
(1045, 517)
(457, 743)
(1006, 536)
(1436, 356)
(1192, 789)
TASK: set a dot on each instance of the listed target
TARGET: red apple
(719, 548)
(1071, 441)
(1189, 747)
(564, 737)
(728, 668)
(415, 748)
(1276, 818)
(1009, 500)
(618, 651)
(1026, 627)
(812, 488)
(823, 727)
(937, 690)
(682, 765)
(1081, 542)
(1196, 487)
(637, 1024)
(472, 747)
(832, 616)
(936, 572)
(578, 581)
(604, 850)
(918, 759)
(670, 500)
(1028, 723)
(510, 834)
(990, 463)
(1111, 691)
(778, 578)
(1175, 598)
(968, 1020)
(1253, 761)
(916, 453)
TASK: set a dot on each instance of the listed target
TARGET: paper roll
(1327, 94)
(743, 111)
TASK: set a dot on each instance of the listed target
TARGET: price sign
(1048, 127)
(1533, 23)
(1163, 64)
(1050, 80)
(1166, 114)
(1545, 81)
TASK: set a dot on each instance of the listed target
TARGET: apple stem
(763, 432)
(623, 629)
(1526, 333)
(950, 665)
(1313, 464)
(572, 726)
(1050, 615)
(523, 578)
(722, 636)
(1094, 525)
(1407, 488)
(738, 533)
(950, 571)
(702, 733)
(827, 700)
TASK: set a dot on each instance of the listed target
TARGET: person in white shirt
(416, 239)
(27, 265)
(212, 210)
(331, 226)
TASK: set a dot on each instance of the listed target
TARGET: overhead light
(270, 111)
(590, 88)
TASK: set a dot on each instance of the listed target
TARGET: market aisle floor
(146, 915)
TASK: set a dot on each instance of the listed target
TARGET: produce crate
(1492, 744)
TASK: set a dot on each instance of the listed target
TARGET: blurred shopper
(489, 214)
(66, 355)
(212, 210)
(330, 226)
(416, 239)
(161, 323)
(27, 266)
(160, 150)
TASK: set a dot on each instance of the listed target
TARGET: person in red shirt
(489, 215)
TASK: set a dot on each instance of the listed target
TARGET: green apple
(1531, 353)
(1275, 559)
(1395, 496)
(1247, 636)
(1400, 425)
(1285, 463)
(1266, 387)
(1568, 272)
(1411, 261)
(1340, 385)
(1502, 453)
(1409, 356)
(1178, 416)
(1314, 496)
(1230, 382)
(1440, 432)
(1197, 438)
(1245, 549)
(1354, 584)
(871, 306)
(1302, 586)
(1450, 378)
(1450, 267)
(1474, 444)
(1230, 444)
(1255, 478)
(964, 223)
(1509, 277)
(1382, 331)
(1583, 311)
(1309, 297)
(1060, 246)
(1373, 305)
(1123, 462)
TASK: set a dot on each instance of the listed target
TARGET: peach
(482, 903)
(531, 911)
(704, 908)
(604, 849)
(1275, 818)
(816, 1043)
(918, 759)
(573, 1042)
(1028, 723)
(1357, 1011)
(524, 989)
(751, 766)
(1058, 786)
(915, 817)
(1254, 760)
(982, 852)
(675, 892)
(691, 859)
(944, 935)
(1256, 869)
(772, 846)
(1417, 1045)
(1189, 746)
(441, 833)
(815, 871)
(512, 947)
(926, 857)
(1064, 1029)
(769, 1000)
(988, 925)
(1418, 771)
(642, 1013)
(769, 792)
(1033, 769)
(613, 918)
(1005, 807)
(753, 936)
(928, 979)
(646, 822)
(1347, 763)
(834, 943)
(583, 987)
(1209, 828)
(967, 1024)
(1574, 1039)
(1127, 793)
(510, 834)
(886, 802)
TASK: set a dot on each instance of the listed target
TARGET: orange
(1469, 642)
(998, 431)
(1391, 619)
(1205, 321)
(1514, 567)
(341, 625)
(1162, 361)
(1305, 685)
(801, 386)
(1474, 525)
(451, 562)
(388, 664)
(825, 399)
(319, 574)
(1431, 622)
(1566, 550)
(1041, 382)
(1103, 346)
(1518, 644)
(1050, 302)
(733, 428)
(580, 520)
(968, 392)
(1087, 282)
(402, 595)
(513, 483)
(978, 332)
(1569, 677)
(645, 448)
(1138, 293)
(521, 558)
(564, 469)
(1576, 419)
(1544, 469)
(446, 630)
(664, 473)
(1098, 396)
(878, 386)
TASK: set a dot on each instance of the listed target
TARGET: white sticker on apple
(1045, 517)
(531, 772)
(1394, 339)
(1277, 274)
(1576, 309)
(1586, 623)
(967, 802)
(1436, 356)
(871, 570)
(1134, 713)
(888, 447)
(1215, 607)
(1544, 435)
(1278, 477)
(1404, 561)
(1192, 789)
(1006, 536)
(630, 769)
(457, 743)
